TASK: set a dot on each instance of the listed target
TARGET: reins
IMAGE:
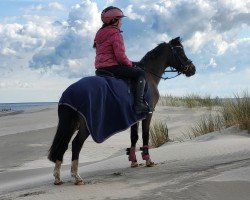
(161, 77)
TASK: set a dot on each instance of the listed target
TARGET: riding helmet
(111, 13)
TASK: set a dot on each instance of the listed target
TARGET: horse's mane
(156, 51)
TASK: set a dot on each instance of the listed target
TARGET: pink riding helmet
(110, 13)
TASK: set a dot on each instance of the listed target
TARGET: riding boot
(139, 106)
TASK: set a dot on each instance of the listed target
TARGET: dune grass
(208, 123)
(233, 112)
(169, 100)
(158, 134)
(190, 101)
(237, 112)
(194, 100)
(230, 112)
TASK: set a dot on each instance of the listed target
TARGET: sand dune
(213, 166)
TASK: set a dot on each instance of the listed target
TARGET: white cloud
(74, 43)
(20, 39)
(52, 46)
(132, 15)
(213, 62)
(51, 6)
(232, 69)
(199, 22)
(7, 51)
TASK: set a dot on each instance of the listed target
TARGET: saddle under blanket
(105, 103)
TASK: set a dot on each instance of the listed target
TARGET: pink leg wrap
(145, 154)
(131, 154)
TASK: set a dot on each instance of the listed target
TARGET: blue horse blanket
(105, 103)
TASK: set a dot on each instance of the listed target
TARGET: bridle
(185, 65)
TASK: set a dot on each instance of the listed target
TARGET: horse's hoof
(80, 182)
(58, 183)
(134, 165)
(150, 163)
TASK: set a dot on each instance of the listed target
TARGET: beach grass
(237, 112)
(158, 134)
(232, 112)
(169, 100)
(190, 101)
(208, 123)
(194, 100)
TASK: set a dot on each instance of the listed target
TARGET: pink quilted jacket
(110, 48)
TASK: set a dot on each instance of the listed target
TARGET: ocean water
(24, 106)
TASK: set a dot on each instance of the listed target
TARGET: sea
(24, 106)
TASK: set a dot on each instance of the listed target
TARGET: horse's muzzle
(189, 70)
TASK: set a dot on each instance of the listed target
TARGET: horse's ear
(177, 39)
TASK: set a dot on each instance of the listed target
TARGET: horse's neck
(156, 67)
(158, 64)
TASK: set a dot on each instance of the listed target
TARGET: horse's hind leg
(57, 173)
(64, 132)
(131, 151)
(77, 144)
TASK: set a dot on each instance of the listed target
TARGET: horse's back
(105, 103)
(94, 89)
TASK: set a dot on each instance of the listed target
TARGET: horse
(154, 63)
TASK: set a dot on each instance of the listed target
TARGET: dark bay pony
(155, 63)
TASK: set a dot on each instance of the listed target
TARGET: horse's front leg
(145, 138)
(131, 151)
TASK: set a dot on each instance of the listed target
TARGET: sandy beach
(212, 166)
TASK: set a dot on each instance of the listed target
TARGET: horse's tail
(65, 130)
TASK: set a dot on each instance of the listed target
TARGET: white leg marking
(74, 173)
(150, 163)
(57, 173)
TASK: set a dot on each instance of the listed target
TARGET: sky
(47, 45)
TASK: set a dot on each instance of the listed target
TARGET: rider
(110, 54)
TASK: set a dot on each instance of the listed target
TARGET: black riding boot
(139, 106)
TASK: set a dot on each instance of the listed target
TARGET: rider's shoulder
(112, 29)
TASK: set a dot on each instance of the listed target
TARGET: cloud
(20, 39)
(53, 6)
(74, 43)
(231, 14)
(197, 22)
(132, 15)
(215, 36)
(212, 62)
